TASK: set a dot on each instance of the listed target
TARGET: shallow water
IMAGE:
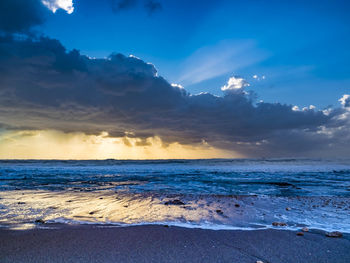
(216, 194)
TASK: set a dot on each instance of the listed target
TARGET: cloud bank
(45, 87)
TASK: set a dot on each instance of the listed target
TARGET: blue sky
(301, 48)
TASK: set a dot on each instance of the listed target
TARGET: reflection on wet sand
(21, 209)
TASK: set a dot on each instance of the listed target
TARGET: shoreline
(157, 243)
(61, 224)
(209, 212)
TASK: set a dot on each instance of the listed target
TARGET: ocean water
(215, 194)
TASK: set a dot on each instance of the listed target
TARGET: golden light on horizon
(49, 144)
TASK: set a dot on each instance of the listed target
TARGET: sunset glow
(58, 145)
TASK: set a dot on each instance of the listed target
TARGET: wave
(207, 225)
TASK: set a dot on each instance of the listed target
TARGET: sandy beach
(91, 243)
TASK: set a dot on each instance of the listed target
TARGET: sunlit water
(215, 194)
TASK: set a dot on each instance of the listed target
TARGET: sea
(244, 194)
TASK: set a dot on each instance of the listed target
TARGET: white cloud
(256, 77)
(345, 100)
(54, 5)
(311, 107)
(177, 85)
(133, 56)
(235, 83)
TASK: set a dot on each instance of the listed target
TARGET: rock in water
(174, 202)
(237, 205)
(305, 229)
(334, 234)
(219, 212)
(279, 224)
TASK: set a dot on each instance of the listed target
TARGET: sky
(301, 47)
(174, 79)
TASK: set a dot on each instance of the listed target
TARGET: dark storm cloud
(150, 5)
(44, 86)
(122, 4)
(20, 15)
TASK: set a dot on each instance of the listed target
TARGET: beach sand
(91, 243)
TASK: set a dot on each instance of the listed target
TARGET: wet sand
(169, 244)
